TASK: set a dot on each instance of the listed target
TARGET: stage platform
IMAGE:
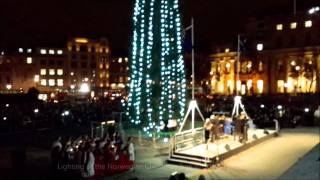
(196, 154)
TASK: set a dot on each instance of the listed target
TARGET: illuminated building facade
(119, 73)
(281, 54)
(88, 63)
(83, 61)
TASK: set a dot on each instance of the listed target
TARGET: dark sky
(44, 23)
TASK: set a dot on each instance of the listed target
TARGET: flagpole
(238, 64)
(192, 43)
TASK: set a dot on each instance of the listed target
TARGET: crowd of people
(30, 115)
(91, 158)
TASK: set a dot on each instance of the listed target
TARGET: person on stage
(207, 129)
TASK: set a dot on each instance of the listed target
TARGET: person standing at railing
(207, 129)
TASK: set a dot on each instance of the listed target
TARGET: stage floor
(218, 147)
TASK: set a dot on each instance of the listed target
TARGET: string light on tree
(157, 73)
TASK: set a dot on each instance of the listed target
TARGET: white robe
(131, 152)
(90, 165)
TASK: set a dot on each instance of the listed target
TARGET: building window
(260, 68)
(249, 86)
(228, 67)
(60, 72)
(260, 86)
(43, 82)
(59, 52)
(51, 72)
(293, 25)
(36, 78)
(29, 60)
(308, 24)
(60, 82)
(52, 82)
(280, 86)
(43, 71)
(101, 65)
(43, 51)
(121, 79)
(279, 27)
(51, 51)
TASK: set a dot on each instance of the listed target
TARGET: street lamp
(8, 86)
(84, 88)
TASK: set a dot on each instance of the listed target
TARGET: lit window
(51, 51)
(51, 72)
(227, 67)
(20, 50)
(226, 50)
(293, 63)
(43, 51)
(126, 59)
(260, 47)
(107, 75)
(280, 86)
(243, 89)
(43, 82)
(238, 85)
(120, 60)
(101, 66)
(249, 84)
(260, 86)
(51, 82)
(29, 50)
(43, 71)
(72, 73)
(29, 60)
(308, 23)
(60, 82)
(107, 66)
(60, 72)
(36, 78)
(260, 66)
(279, 27)
(60, 52)
(293, 25)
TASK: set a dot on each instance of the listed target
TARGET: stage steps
(193, 161)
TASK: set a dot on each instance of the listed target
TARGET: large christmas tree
(157, 80)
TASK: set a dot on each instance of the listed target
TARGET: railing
(186, 139)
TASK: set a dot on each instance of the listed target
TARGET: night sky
(26, 23)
